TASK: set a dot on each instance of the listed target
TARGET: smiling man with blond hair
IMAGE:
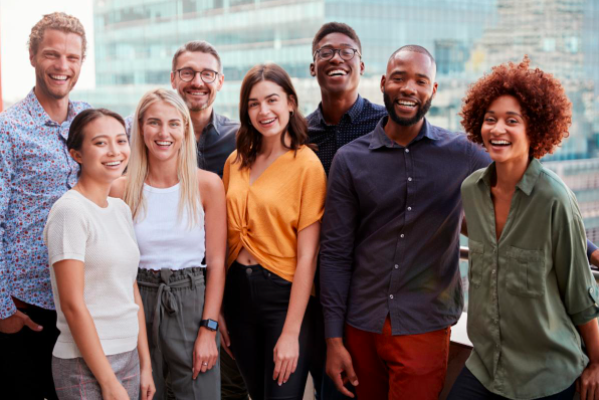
(35, 170)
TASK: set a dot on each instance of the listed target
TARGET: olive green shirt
(529, 290)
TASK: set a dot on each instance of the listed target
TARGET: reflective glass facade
(135, 41)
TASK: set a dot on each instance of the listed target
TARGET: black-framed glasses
(188, 74)
(327, 53)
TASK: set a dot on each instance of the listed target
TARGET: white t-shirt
(103, 238)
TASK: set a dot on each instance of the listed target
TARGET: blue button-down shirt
(35, 170)
(359, 120)
(390, 235)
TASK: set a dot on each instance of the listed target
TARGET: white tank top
(164, 239)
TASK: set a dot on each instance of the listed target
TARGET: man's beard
(422, 110)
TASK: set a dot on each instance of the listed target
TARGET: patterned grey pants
(74, 380)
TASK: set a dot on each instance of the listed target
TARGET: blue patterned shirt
(359, 120)
(35, 170)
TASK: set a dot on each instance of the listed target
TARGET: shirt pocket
(525, 272)
(475, 262)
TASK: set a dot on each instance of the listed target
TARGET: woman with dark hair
(275, 188)
(532, 297)
(102, 351)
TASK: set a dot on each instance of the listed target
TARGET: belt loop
(192, 282)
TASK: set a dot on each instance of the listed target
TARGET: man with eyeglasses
(197, 76)
(343, 115)
(35, 171)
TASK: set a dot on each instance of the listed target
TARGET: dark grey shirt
(360, 119)
(390, 235)
(216, 143)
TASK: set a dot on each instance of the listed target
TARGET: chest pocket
(525, 272)
(475, 262)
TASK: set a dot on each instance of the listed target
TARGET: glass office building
(135, 41)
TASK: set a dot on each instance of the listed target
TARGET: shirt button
(407, 150)
(396, 266)
(410, 179)
(409, 208)
(391, 296)
(401, 236)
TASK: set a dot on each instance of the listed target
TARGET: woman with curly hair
(532, 296)
(275, 187)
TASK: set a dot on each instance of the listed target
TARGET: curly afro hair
(545, 106)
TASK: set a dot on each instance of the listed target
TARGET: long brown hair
(249, 140)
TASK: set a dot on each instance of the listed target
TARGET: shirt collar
(528, 181)
(40, 115)
(380, 138)
(214, 122)
(353, 113)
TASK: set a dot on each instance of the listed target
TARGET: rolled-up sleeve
(339, 227)
(576, 282)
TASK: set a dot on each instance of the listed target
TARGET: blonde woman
(179, 216)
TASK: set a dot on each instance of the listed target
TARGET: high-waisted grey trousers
(173, 303)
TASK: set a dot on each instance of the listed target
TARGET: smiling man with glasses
(197, 76)
(343, 115)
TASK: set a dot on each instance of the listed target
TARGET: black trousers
(26, 359)
(467, 387)
(255, 304)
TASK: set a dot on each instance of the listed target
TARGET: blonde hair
(187, 169)
(61, 22)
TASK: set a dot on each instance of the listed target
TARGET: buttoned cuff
(589, 313)
(7, 307)
(333, 329)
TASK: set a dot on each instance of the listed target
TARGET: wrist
(291, 332)
(205, 331)
(108, 380)
(335, 342)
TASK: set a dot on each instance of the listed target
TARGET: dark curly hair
(545, 106)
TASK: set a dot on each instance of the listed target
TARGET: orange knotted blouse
(266, 216)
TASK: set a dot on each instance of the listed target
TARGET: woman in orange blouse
(275, 188)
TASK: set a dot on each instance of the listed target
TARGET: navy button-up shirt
(360, 119)
(390, 235)
(216, 143)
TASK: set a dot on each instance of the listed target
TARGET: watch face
(211, 324)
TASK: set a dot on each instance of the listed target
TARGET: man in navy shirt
(390, 284)
(343, 115)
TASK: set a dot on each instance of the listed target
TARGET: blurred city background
(134, 40)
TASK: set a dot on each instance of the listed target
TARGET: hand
(588, 383)
(340, 367)
(286, 353)
(205, 352)
(17, 321)
(595, 258)
(225, 341)
(147, 387)
(114, 391)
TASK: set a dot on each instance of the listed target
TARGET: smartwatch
(209, 324)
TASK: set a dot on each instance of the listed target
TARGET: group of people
(178, 253)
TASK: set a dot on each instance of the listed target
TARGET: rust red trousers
(398, 367)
